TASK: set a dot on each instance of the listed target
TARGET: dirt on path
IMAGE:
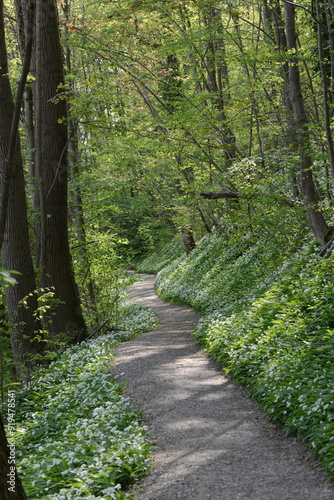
(211, 441)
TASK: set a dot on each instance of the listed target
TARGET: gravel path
(211, 441)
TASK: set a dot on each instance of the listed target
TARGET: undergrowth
(76, 434)
(153, 263)
(270, 321)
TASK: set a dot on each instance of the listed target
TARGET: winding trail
(211, 441)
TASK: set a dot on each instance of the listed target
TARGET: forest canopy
(214, 114)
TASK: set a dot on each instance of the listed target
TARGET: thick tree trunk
(8, 166)
(16, 246)
(10, 485)
(316, 219)
(68, 318)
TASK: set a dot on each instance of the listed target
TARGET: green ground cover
(77, 436)
(270, 321)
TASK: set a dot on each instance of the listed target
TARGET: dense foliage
(94, 448)
(269, 321)
(175, 101)
(170, 105)
(148, 117)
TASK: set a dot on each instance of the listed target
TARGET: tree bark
(325, 84)
(74, 174)
(10, 484)
(42, 249)
(9, 162)
(68, 318)
(217, 81)
(316, 219)
(16, 245)
(216, 196)
(329, 8)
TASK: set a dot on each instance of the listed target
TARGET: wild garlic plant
(77, 436)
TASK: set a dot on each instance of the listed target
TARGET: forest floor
(211, 442)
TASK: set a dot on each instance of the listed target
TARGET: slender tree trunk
(325, 87)
(251, 75)
(217, 81)
(289, 132)
(42, 249)
(74, 174)
(329, 8)
(28, 120)
(79, 220)
(316, 219)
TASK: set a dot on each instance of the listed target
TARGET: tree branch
(215, 196)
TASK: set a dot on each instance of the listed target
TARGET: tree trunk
(8, 166)
(40, 197)
(74, 173)
(10, 484)
(79, 220)
(68, 318)
(217, 81)
(252, 76)
(329, 8)
(316, 219)
(16, 245)
(276, 27)
(325, 84)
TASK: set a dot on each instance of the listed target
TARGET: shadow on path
(212, 442)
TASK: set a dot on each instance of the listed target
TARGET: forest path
(212, 442)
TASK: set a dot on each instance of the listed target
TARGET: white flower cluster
(79, 437)
(271, 325)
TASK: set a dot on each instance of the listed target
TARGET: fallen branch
(98, 329)
(327, 250)
(215, 196)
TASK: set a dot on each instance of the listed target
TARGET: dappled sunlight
(210, 439)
